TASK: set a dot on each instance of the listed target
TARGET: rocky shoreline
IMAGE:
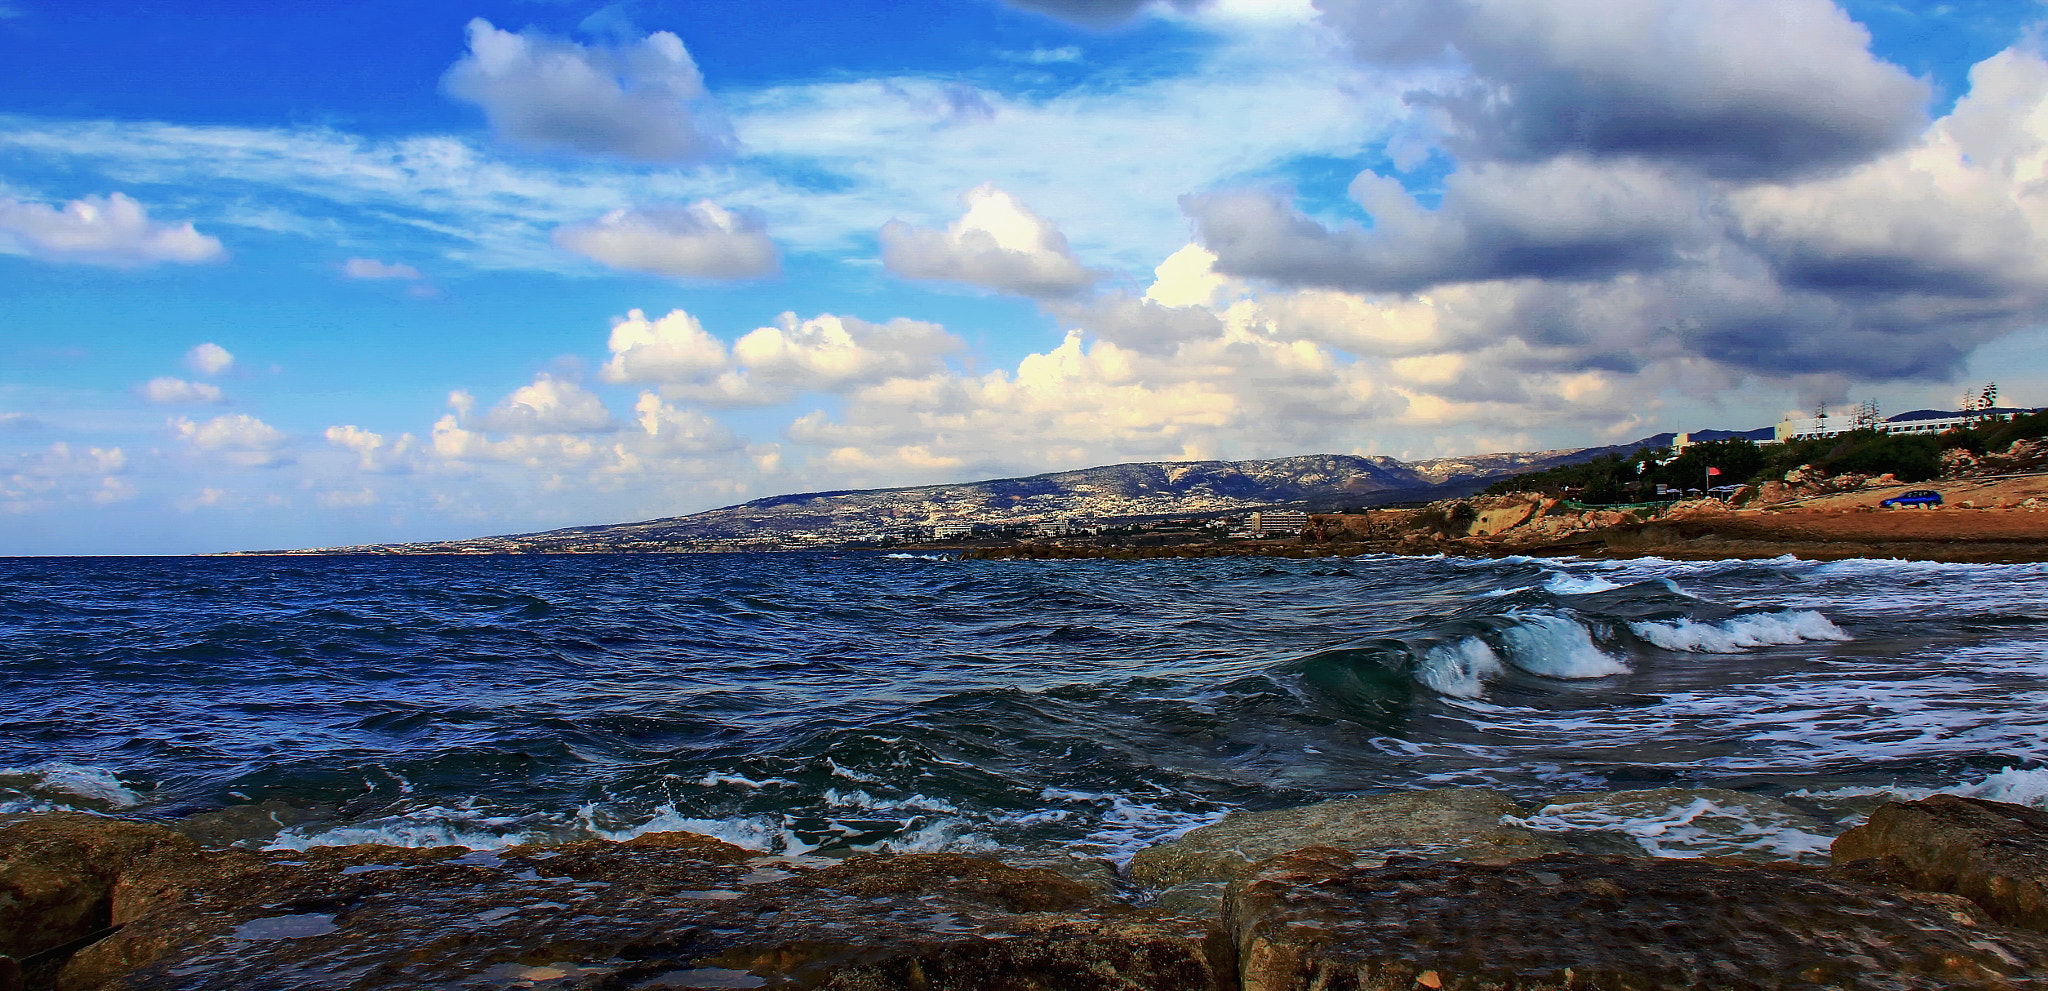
(1987, 521)
(1436, 889)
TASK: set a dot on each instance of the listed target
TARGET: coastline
(1987, 521)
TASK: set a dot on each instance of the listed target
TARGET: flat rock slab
(1443, 824)
(1315, 920)
(671, 910)
(1993, 853)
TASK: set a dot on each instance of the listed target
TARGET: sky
(291, 275)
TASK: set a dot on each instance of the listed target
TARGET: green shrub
(1911, 459)
(1958, 437)
(1999, 434)
(1448, 522)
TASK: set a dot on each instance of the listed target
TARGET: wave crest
(1740, 633)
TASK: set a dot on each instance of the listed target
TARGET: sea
(826, 705)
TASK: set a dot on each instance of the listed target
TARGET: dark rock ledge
(1944, 893)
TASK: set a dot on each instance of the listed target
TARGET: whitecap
(1557, 646)
(1734, 635)
(860, 799)
(714, 780)
(96, 785)
(1567, 584)
(1458, 669)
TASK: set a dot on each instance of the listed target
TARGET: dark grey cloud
(1565, 219)
(1096, 13)
(1704, 193)
(1739, 89)
(1740, 317)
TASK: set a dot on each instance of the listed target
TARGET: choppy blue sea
(828, 704)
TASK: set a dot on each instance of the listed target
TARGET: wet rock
(662, 910)
(253, 821)
(1198, 899)
(1316, 919)
(58, 874)
(1993, 853)
(1445, 824)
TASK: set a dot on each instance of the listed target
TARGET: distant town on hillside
(1246, 498)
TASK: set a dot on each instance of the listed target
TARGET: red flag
(1711, 472)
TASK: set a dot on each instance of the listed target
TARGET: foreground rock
(1993, 853)
(1447, 824)
(664, 910)
(1932, 894)
(1318, 919)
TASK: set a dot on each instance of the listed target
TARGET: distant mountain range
(1110, 494)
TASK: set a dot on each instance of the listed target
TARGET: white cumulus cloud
(237, 438)
(209, 359)
(674, 348)
(997, 244)
(62, 473)
(643, 101)
(176, 391)
(830, 353)
(547, 406)
(371, 268)
(699, 241)
(374, 452)
(112, 230)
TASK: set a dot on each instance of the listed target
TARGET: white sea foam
(1564, 584)
(1128, 824)
(1458, 669)
(2016, 785)
(431, 827)
(1740, 633)
(716, 780)
(767, 834)
(841, 771)
(1677, 825)
(1557, 646)
(58, 781)
(2020, 786)
(942, 835)
(862, 800)
(481, 830)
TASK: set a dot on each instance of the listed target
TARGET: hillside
(1108, 494)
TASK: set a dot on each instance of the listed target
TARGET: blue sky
(296, 275)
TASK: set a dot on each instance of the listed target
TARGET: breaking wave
(1740, 633)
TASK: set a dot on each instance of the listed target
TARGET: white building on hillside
(1270, 524)
(1920, 421)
